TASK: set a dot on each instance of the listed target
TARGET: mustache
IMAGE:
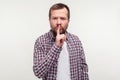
(54, 31)
(62, 31)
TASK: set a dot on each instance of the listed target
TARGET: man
(58, 54)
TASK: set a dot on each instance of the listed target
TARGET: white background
(95, 22)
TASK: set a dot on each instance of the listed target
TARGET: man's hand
(60, 38)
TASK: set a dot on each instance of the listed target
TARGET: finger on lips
(58, 30)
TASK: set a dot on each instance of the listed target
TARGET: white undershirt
(63, 70)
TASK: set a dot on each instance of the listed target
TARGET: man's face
(59, 18)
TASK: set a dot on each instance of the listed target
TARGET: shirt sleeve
(42, 62)
(83, 67)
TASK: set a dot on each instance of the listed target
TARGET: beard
(62, 31)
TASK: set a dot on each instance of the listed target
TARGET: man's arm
(42, 62)
(83, 67)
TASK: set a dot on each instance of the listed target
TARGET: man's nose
(58, 21)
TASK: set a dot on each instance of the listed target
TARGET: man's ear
(68, 20)
(49, 19)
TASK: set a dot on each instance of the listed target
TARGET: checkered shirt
(46, 55)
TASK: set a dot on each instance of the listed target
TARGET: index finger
(58, 30)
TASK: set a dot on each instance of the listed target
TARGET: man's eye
(63, 18)
(54, 18)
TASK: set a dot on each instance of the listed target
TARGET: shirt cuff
(56, 49)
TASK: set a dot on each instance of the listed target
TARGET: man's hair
(59, 6)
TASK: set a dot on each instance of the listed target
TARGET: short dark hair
(59, 6)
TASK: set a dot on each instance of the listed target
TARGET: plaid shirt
(46, 55)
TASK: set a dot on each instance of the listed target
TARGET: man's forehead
(63, 10)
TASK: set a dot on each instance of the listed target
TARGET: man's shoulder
(43, 37)
(74, 39)
(73, 36)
